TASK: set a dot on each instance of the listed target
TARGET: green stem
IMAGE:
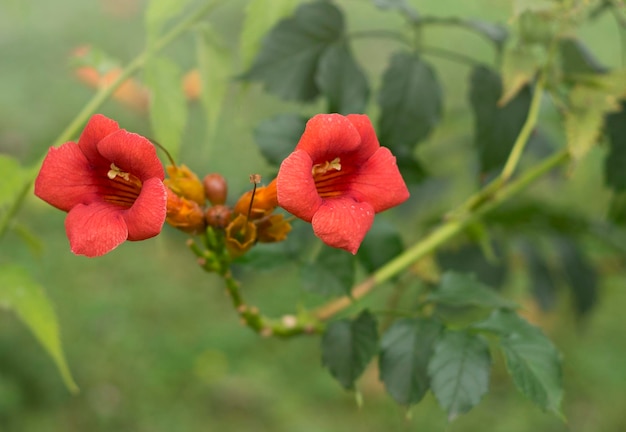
(440, 235)
(103, 94)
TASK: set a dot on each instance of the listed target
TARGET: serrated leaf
(459, 371)
(614, 172)
(332, 273)
(405, 350)
(531, 358)
(261, 16)
(577, 59)
(168, 108)
(579, 273)
(458, 289)
(381, 244)
(348, 346)
(19, 293)
(519, 65)
(341, 80)
(410, 99)
(215, 66)
(495, 128)
(290, 53)
(158, 12)
(278, 136)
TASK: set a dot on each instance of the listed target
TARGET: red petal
(65, 178)
(146, 217)
(327, 136)
(295, 186)
(343, 223)
(132, 153)
(95, 229)
(96, 129)
(379, 182)
(369, 141)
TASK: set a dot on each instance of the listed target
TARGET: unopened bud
(215, 188)
(218, 216)
(185, 183)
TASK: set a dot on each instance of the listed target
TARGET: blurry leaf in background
(615, 162)
(617, 208)
(278, 136)
(331, 274)
(401, 5)
(158, 13)
(577, 59)
(579, 274)
(497, 33)
(411, 101)
(381, 244)
(19, 293)
(348, 346)
(215, 67)
(341, 80)
(168, 108)
(459, 371)
(458, 289)
(531, 358)
(14, 180)
(412, 170)
(519, 66)
(495, 128)
(405, 350)
(261, 16)
(468, 258)
(288, 60)
(542, 281)
(536, 28)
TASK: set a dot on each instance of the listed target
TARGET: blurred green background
(152, 340)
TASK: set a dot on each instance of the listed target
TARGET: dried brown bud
(215, 188)
(218, 216)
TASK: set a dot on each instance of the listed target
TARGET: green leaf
(469, 258)
(459, 371)
(401, 5)
(412, 170)
(410, 99)
(14, 179)
(277, 137)
(348, 346)
(341, 80)
(168, 108)
(381, 244)
(332, 273)
(519, 66)
(577, 59)
(614, 172)
(537, 28)
(617, 208)
(542, 282)
(579, 273)
(531, 358)
(405, 350)
(457, 289)
(289, 57)
(215, 67)
(495, 128)
(19, 293)
(261, 16)
(497, 33)
(159, 12)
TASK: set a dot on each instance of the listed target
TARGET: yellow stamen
(115, 171)
(323, 168)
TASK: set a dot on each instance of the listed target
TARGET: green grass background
(153, 342)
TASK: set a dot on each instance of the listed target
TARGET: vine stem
(103, 94)
(439, 236)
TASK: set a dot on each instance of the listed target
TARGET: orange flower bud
(184, 214)
(218, 216)
(184, 183)
(273, 229)
(240, 236)
(215, 188)
(264, 202)
(192, 85)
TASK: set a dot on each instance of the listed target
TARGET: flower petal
(132, 153)
(95, 229)
(369, 141)
(328, 136)
(343, 223)
(295, 186)
(65, 178)
(96, 129)
(146, 216)
(379, 182)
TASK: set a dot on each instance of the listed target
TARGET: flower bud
(218, 216)
(184, 183)
(184, 214)
(264, 202)
(215, 188)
